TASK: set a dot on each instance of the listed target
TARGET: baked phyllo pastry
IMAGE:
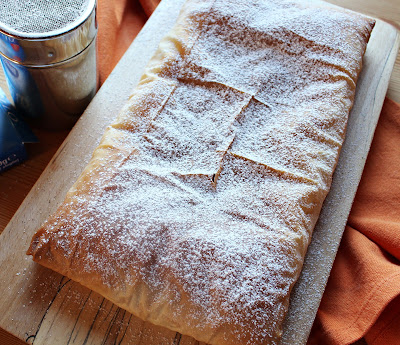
(196, 209)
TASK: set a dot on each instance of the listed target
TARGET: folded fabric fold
(364, 285)
(119, 22)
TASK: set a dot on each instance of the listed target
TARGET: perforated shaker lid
(43, 18)
(46, 31)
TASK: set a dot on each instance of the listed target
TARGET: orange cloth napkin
(362, 298)
(119, 21)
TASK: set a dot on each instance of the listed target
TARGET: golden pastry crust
(197, 207)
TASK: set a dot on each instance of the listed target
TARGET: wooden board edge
(308, 291)
(30, 215)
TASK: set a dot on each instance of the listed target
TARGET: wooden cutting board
(43, 307)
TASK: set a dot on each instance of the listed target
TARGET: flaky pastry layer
(197, 207)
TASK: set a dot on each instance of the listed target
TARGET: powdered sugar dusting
(229, 146)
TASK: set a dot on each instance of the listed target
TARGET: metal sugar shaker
(48, 54)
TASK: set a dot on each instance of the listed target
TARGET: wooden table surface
(16, 183)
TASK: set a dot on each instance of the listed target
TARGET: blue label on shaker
(10, 47)
(24, 132)
(14, 132)
(21, 84)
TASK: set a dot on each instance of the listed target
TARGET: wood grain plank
(8, 339)
(42, 307)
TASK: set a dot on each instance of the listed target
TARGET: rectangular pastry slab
(40, 305)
